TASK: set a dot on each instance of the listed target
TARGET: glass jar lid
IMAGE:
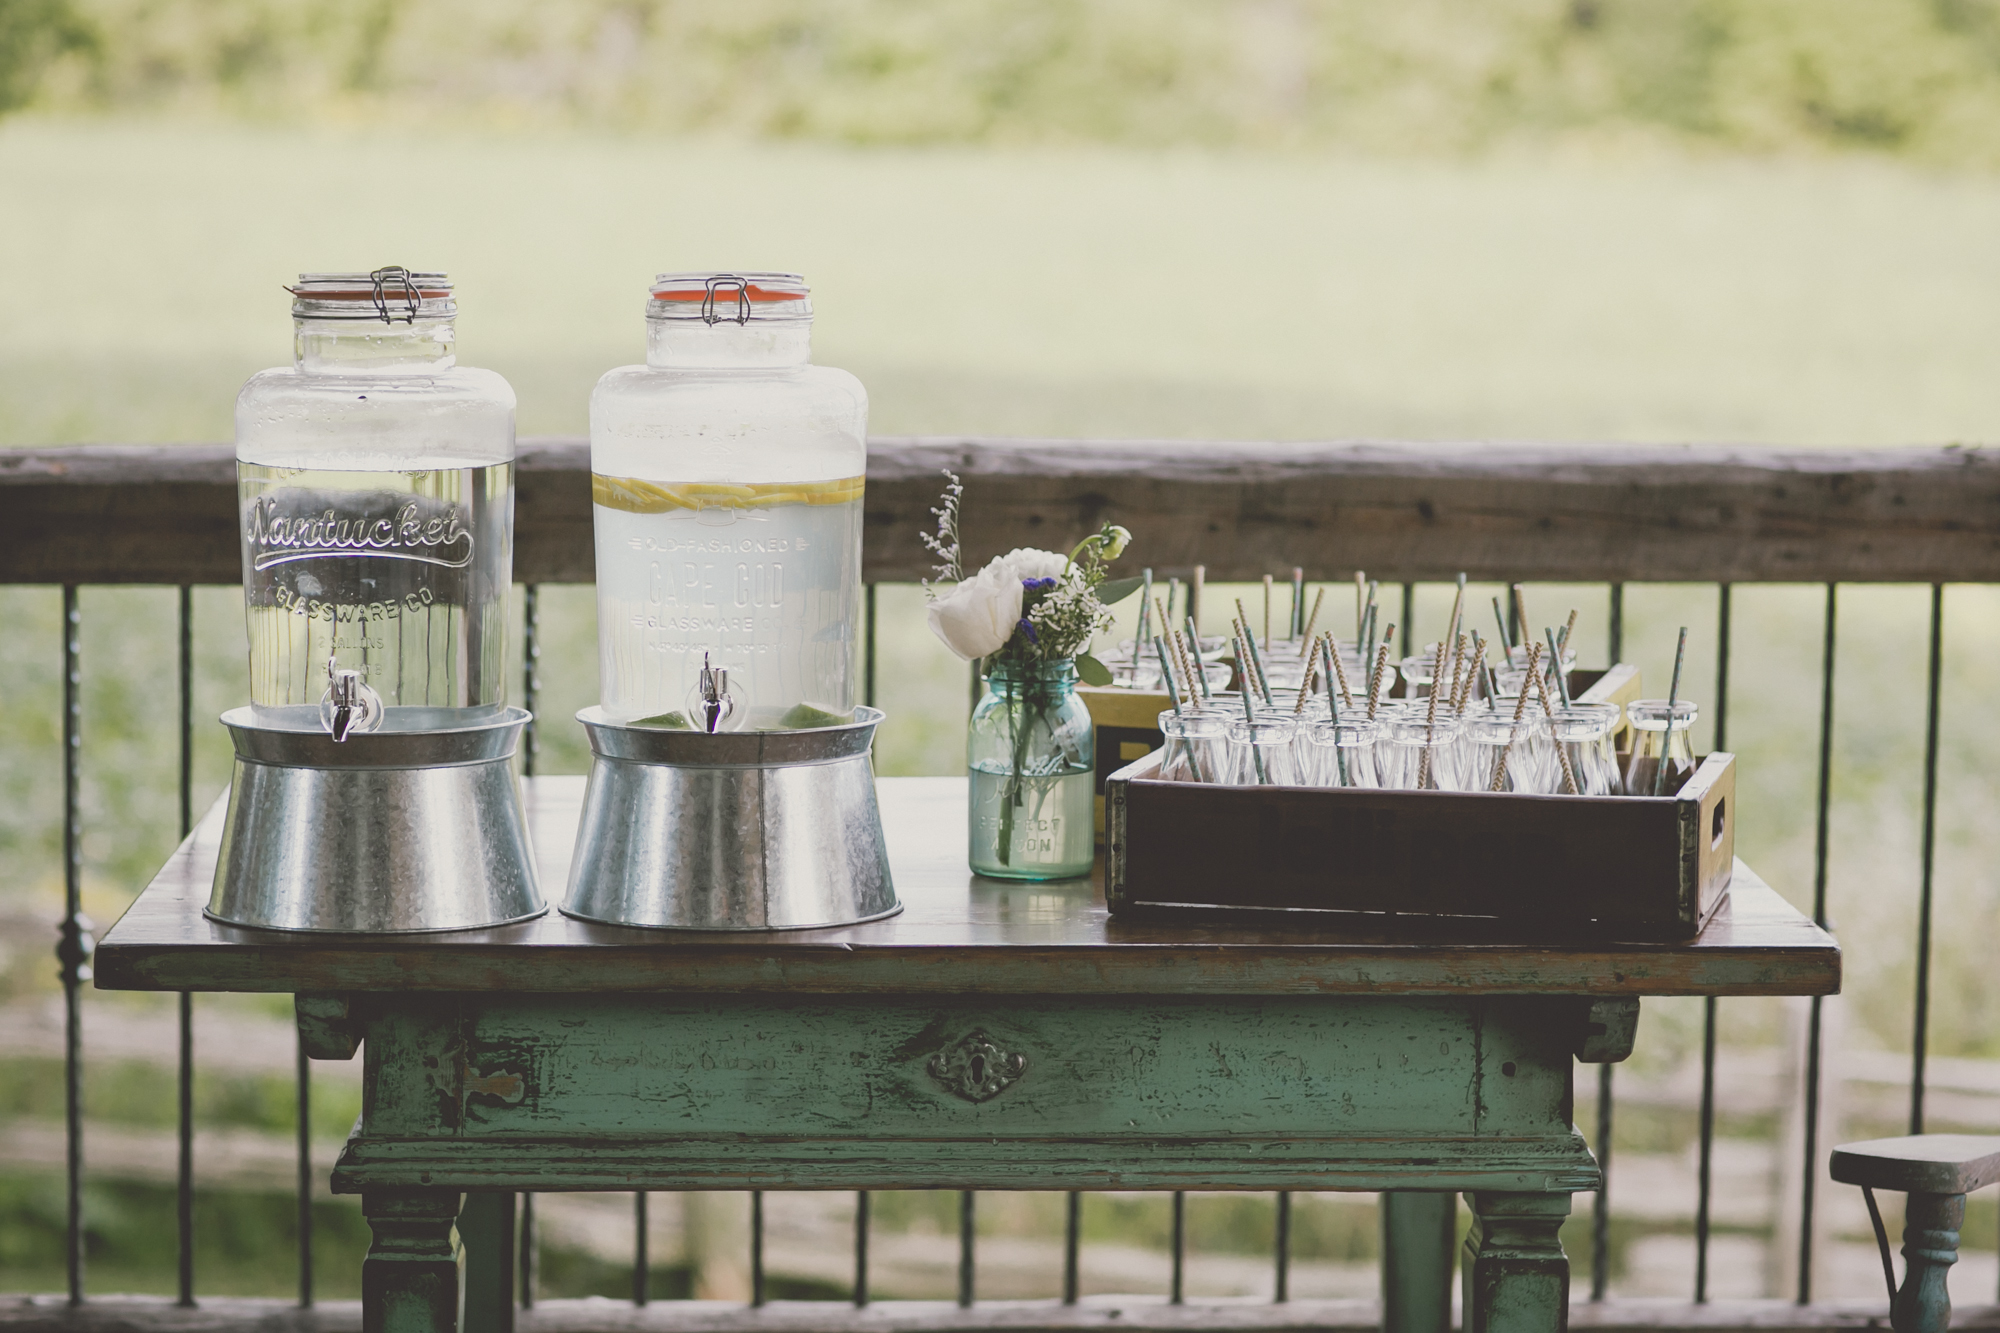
(734, 298)
(392, 295)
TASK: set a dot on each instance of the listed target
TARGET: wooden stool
(1936, 1171)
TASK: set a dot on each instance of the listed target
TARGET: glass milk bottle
(376, 492)
(727, 480)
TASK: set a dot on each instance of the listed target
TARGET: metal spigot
(350, 705)
(716, 703)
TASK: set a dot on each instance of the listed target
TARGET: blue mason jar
(1030, 754)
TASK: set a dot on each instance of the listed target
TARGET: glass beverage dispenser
(373, 789)
(730, 781)
(727, 480)
(375, 480)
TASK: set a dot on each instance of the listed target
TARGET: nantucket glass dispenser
(373, 788)
(730, 783)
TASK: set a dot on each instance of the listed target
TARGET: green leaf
(1093, 671)
(1112, 591)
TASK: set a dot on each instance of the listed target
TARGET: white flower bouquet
(1026, 606)
(1027, 617)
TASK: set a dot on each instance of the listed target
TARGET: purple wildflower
(1027, 629)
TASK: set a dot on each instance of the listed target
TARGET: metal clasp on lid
(382, 280)
(742, 289)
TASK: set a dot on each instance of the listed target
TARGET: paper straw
(1548, 711)
(1195, 761)
(1673, 697)
(1339, 673)
(1194, 648)
(1381, 665)
(1267, 613)
(1457, 611)
(1555, 656)
(1295, 627)
(1256, 755)
(1330, 656)
(1499, 782)
(1430, 721)
(1500, 618)
(1194, 594)
(1360, 603)
(1313, 620)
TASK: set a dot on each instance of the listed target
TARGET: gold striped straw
(1430, 721)
(1312, 620)
(1306, 683)
(1499, 782)
(1339, 671)
(1381, 665)
(1562, 755)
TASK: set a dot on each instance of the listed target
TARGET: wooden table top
(958, 932)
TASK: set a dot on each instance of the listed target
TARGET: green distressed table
(994, 1035)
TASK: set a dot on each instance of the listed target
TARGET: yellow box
(1126, 725)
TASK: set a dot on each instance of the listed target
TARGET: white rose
(1025, 562)
(976, 618)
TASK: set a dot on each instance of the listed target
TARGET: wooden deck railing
(1555, 513)
(1409, 512)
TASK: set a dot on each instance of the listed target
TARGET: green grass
(1087, 291)
(1084, 291)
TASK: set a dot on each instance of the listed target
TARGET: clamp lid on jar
(728, 320)
(393, 319)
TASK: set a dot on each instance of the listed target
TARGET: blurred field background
(1757, 221)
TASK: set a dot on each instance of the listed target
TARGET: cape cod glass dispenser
(730, 784)
(373, 787)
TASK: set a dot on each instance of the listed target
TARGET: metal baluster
(1283, 1289)
(868, 649)
(531, 753)
(1175, 1286)
(756, 1248)
(1704, 1172)
(861, 1210)
(1600, 1209)
(304, 1077)
(184, 1183)
(1616, 620)
(75, 945)
(1811, 1173)
(531, 675)
(1072, 1245)
(1920, 1034)
(526, 1263)
(965, 1249)
(642, 1264)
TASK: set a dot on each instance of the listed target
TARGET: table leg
(409, 1281)
(1930, 1248)
(1516, 1275)
(1417, 1236)
(486, 1230)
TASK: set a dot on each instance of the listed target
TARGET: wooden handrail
(167, 513)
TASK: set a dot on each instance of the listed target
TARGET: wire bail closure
(718, 282)
(382, 282)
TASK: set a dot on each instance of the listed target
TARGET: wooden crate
(1604, 867)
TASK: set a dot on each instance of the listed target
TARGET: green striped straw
(1174, 697)
(1673, 697)
(1333, 705)
(1256, 755)
(1556, 667)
